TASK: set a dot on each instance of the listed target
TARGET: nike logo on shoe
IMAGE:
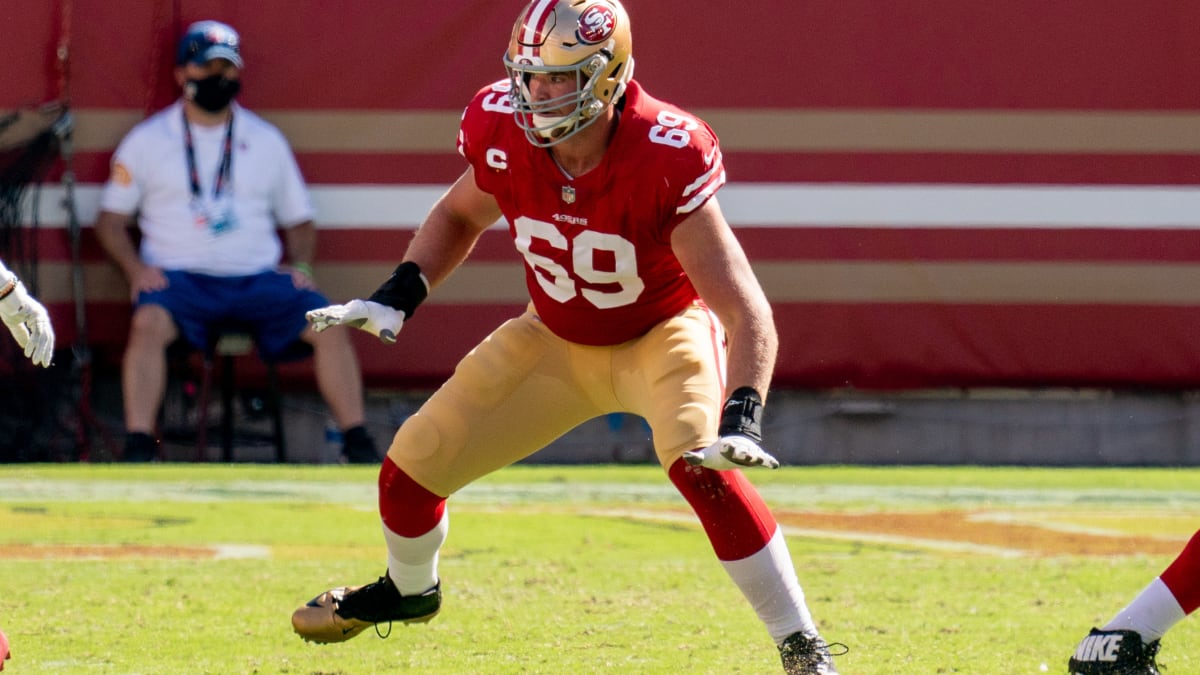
(1099, 648)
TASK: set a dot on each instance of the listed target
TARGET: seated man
(210, 183)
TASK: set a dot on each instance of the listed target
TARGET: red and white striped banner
(942, 193)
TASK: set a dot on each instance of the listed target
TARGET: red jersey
(597, 247)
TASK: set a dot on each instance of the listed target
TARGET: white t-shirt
(227, 235)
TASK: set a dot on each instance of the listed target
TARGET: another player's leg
(751, 547)
(415, 524)
(1129, 643)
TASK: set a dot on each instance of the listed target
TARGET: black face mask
(213, 93)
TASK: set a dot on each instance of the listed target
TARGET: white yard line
(1053, 521)
(839, 535)
(241, 552)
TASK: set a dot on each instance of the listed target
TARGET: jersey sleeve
(697, 172)
(480, 124)
(291, 203)
(122, 191)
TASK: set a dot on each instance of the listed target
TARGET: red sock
(1182, 577)
(736, 520)
(407, 509)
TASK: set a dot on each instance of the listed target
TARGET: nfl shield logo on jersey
(568, 194)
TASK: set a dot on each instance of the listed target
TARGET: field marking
(133, 551)
(1054, 521)
(241, 552)
(954, 520)
(792, 531)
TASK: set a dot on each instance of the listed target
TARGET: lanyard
(224, 170)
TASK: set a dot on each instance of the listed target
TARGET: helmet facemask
(552, 38)
(545, 121)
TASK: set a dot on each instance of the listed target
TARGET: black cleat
(1114, 652)
(806, 655)
(341, 613)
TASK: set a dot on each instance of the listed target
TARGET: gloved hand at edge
(27, 320)
(739, 436)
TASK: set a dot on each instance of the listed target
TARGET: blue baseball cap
(207, 40)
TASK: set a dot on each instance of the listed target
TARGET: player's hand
(29, 323)
(731, 452)
(378, 320)
(738, 437)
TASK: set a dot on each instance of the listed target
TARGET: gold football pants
(523, 387)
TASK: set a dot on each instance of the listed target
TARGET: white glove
(731, 452)
(29, 323)
(378, 320)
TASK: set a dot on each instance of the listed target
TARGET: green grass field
(197, 568)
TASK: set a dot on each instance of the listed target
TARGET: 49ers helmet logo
(596, 24)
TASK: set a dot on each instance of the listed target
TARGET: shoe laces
(1150, 654)
(367, 598)
(1145, 656)
(371, 600)
(842, 648)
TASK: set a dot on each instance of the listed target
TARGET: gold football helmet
(587, 39)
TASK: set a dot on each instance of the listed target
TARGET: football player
(643, 302)
(1129, 643)
(26, 318)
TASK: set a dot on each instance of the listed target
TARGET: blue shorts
(266, 305)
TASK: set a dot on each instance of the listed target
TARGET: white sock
(1151, 614)
(768, 580)
(412, 561)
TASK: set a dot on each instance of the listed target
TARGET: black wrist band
(742, 414)
(404, 290)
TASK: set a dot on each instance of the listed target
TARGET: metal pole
(81, 350)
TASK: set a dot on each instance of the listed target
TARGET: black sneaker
(341, 613)
(358, 447)
(140, 447)
(807, 655)
(1114, 652)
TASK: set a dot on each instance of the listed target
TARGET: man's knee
(151, 328)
